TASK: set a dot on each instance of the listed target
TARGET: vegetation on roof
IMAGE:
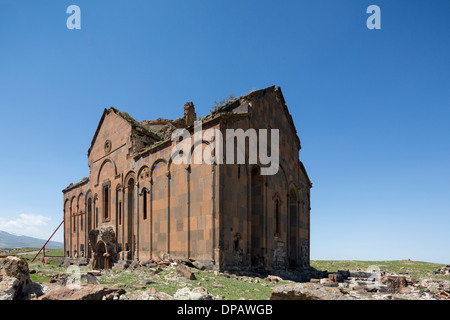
(222, 102)
(141, 125)
(149, 128)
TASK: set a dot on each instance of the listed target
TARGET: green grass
(167, 281)
(418, 269)
(232, 287)
(42, 269)
(50, 261)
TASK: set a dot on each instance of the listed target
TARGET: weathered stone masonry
(137, 204)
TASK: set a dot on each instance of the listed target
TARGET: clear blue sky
(372, 107)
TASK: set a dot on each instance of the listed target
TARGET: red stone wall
(222, 215)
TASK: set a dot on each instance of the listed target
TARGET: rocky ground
(360, 285)
(188, 280)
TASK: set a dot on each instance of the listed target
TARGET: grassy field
(231, 288)
(167, 281)
(418, 269)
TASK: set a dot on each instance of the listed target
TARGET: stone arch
(66, 206)
(155, 165)
(284, 174)
(89, 198)
(107, 160)
(143, 173)
(72, 203)
(292, 185)
(80, 202)
(178, 210)
(130, 175)
(130, 213)
(80, 212)
(89, 194)
(201, 216)
(158, 209)
(67, 227)
(102, 258)
(170, 162)
(193, 147)
(73, 212)
(89, 203)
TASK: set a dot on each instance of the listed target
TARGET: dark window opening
(89, 215)
(105, 202)
(120, 212)
(144, 205)
(277, 217)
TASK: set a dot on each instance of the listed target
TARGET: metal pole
(43, 247)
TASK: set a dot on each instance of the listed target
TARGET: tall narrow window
(74, 224)
(89, 215)
(277, 216)
(81, 221)
(120, 212)
(144, 205)
(105, 202)
(96, 217)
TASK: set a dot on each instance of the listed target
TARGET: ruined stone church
(137, 204)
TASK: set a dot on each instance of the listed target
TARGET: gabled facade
(138, 204)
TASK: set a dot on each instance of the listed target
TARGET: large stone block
(14, 278)
(83, 292)
(307, 291)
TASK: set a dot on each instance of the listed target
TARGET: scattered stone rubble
(444, 270)
(359, 285)
(310, 284)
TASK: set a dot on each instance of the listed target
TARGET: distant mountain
(8, 240)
